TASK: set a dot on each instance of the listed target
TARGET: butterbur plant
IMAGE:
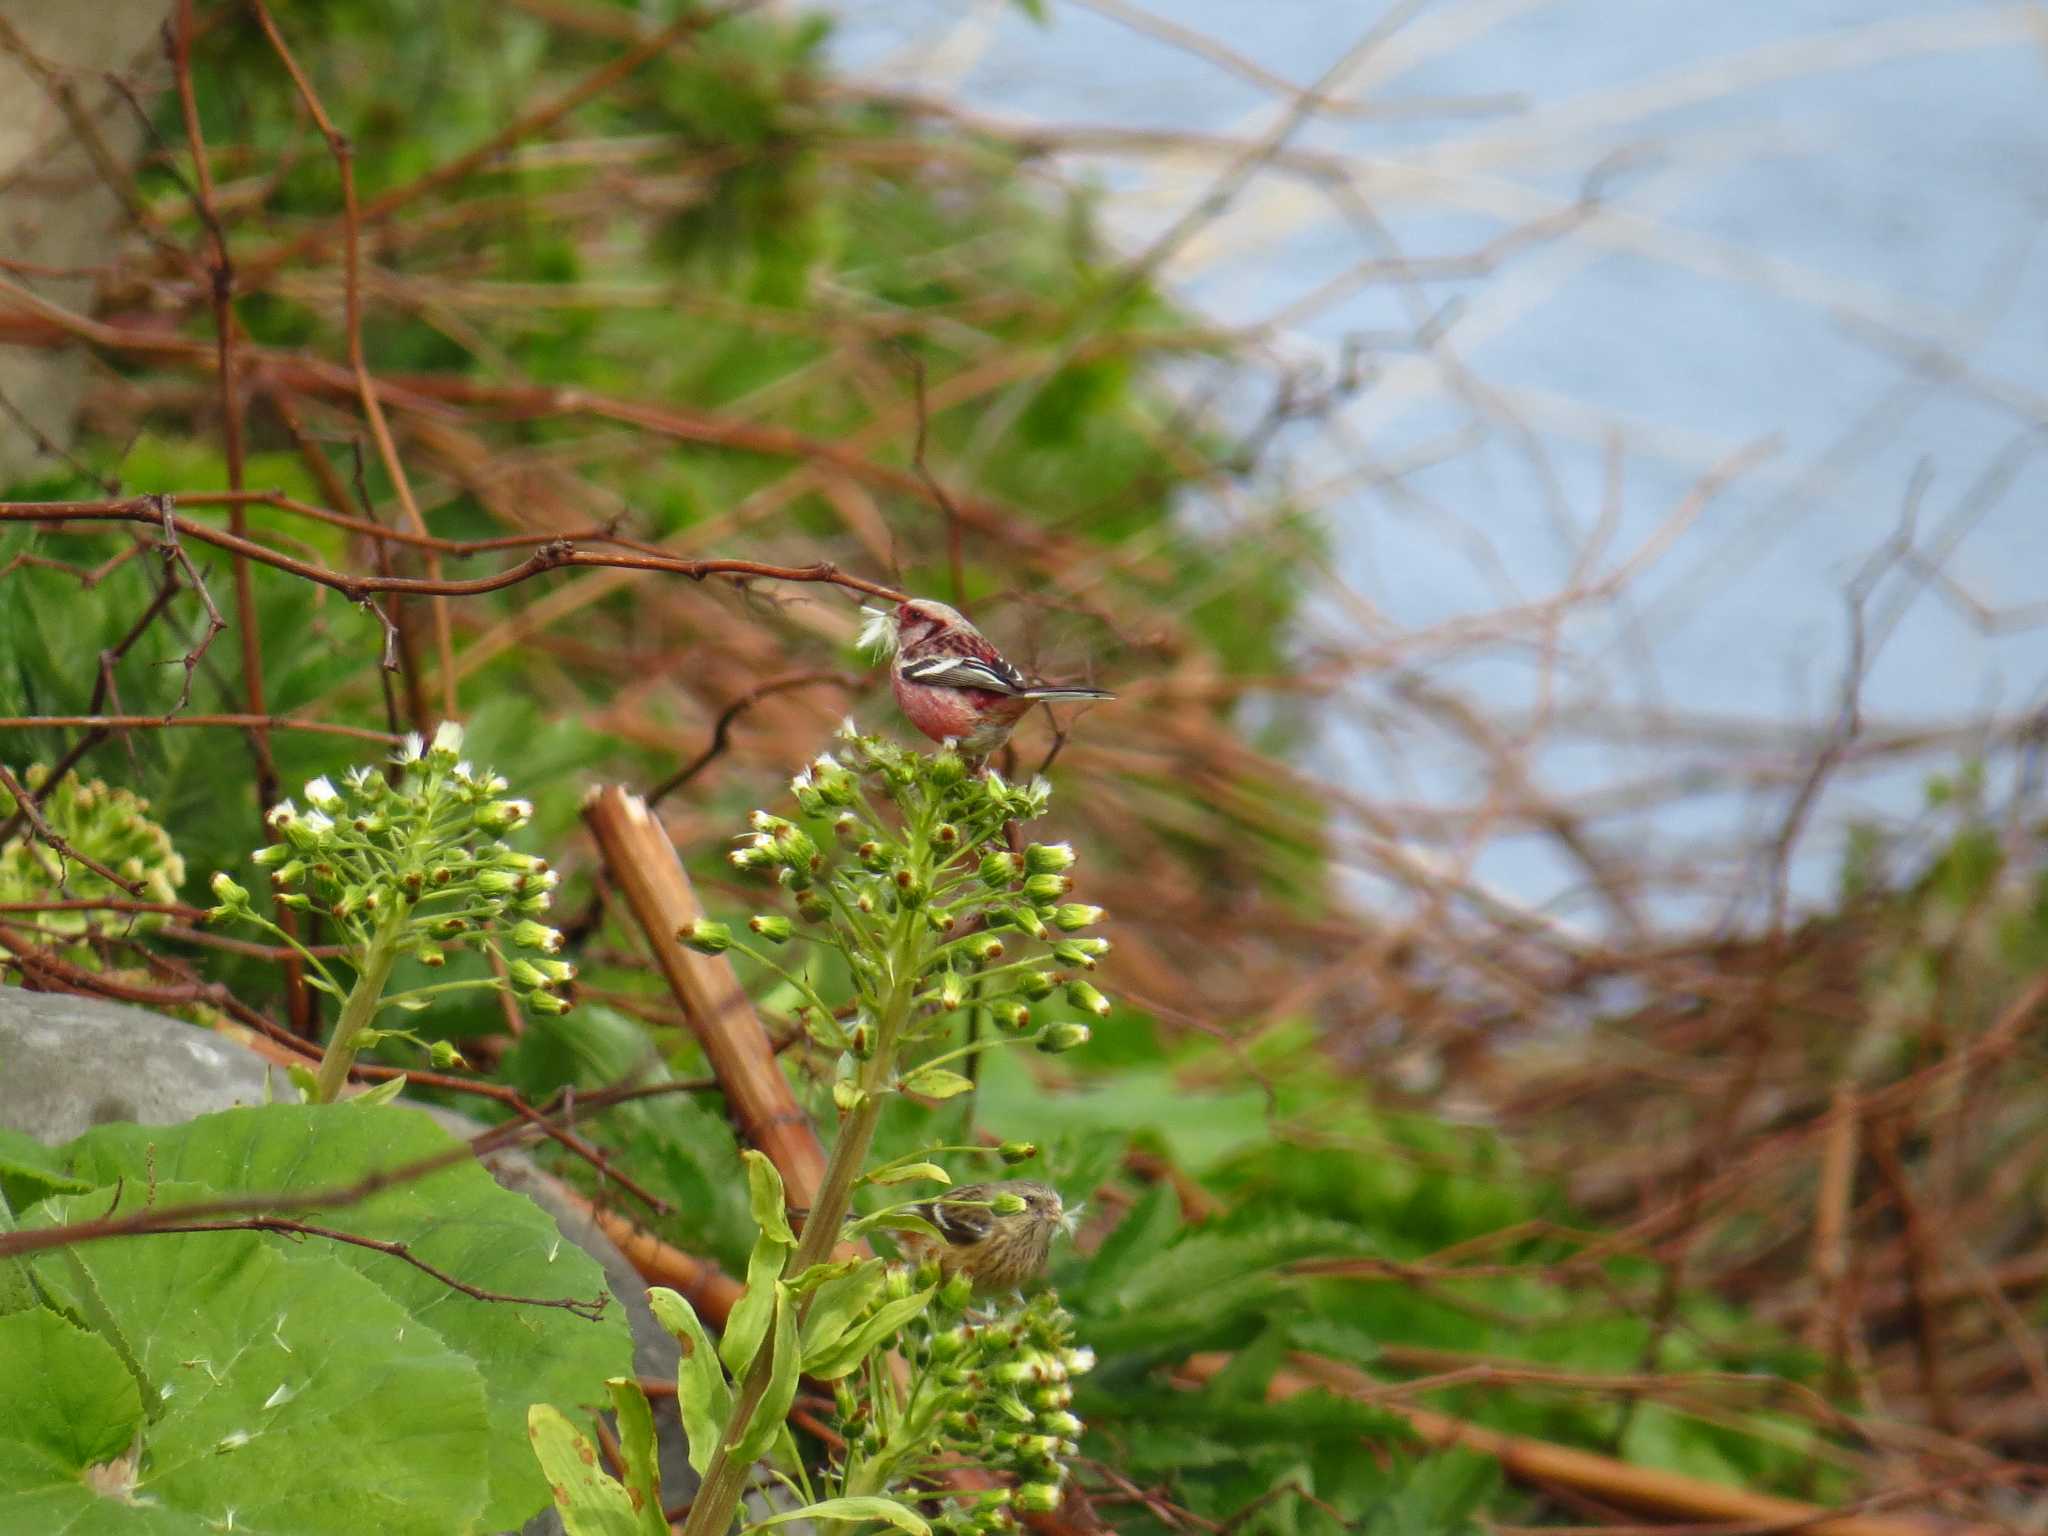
(411, 867)
(900, 865)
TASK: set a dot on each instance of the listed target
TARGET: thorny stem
(361, 1006)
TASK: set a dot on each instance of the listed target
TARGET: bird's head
(908, 625)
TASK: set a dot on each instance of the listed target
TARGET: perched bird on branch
(998, 1235)
(952, 684)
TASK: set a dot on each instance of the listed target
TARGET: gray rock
(70, 1063)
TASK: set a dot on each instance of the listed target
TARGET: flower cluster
(111, 827)
(412, 867)
(900, 862)
(996, 1393)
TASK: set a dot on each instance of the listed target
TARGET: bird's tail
(1062, 695)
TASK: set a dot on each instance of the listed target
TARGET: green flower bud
(557, 971)
(527, 975)
(1048, 858)
(447, 745)
(1087, 999)
(847, 825)
(443, 1054)
(497, 882)
(947, 768)
(772, 926)
(957, 1292)
(1025, 919)
(1011, 1015)
(321, 796)
(1064, 1037)
(546, 1002)
(1037, 1498)
(952, 990)
(269, 854)
(1014, 1152)
(986, 948)
(1042, 889)
(998, 870)
(812, 907)
(940, 922)
(1008, 1203)
(848, 1095)
(1062, 1424)
(910, 890)
(1036, 985)
(897, 1283)
(1074, 916)
(504, 815)
(872, 855)
(232, 896)
(808, 800)
(706, 937)
(532, 935)
(1070, 952)
(430, 956)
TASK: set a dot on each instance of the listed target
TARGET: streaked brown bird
(998, 1249)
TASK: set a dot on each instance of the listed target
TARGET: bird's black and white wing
(996, 676)
(963, 1215)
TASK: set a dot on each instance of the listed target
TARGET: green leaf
(855, 1346)
(287, 1387)
(383, 1093)
(457, 1218)
(748, 1324)
(765, 1196)
(859, 1506)
(637, 1450)
(591, 1503)
(837, 1303)
(701, 1389)
(773, 1408)
(903, 1173)
(67, 1404)
(30, 1171)
(937, 1083)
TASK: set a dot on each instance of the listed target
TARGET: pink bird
(953, 685)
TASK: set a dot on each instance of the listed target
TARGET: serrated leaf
(937, 1083)
(858, 1506)
(590, 1502)
(701, 1389)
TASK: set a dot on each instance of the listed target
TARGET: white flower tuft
(878, 632)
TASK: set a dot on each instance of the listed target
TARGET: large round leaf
(457, 1218)
(282, 1389)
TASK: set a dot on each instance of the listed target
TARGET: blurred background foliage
(715, 308)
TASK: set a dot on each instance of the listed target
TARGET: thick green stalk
(360, 1008)
(725, 1479)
